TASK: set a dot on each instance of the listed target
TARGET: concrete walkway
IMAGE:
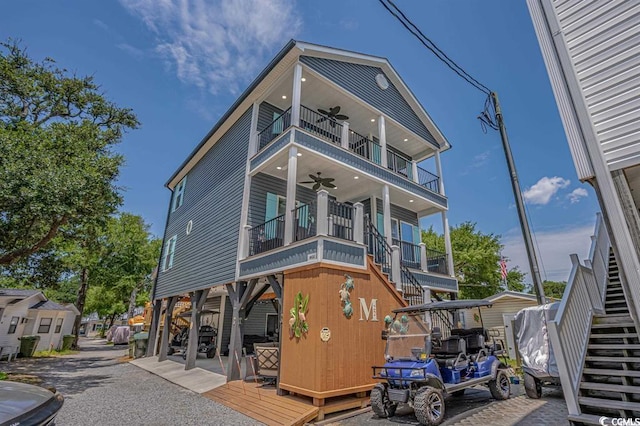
(197, 379)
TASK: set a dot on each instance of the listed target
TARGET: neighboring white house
(29, 312)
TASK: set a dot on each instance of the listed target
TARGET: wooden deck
(263, 403)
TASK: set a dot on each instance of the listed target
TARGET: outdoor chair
(268, 360)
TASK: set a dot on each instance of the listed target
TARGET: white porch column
(254, 143)
(439, 172)
(292, 174)
(423, 256)
(344, 138)
(382, 136)
(447, 244)
(245, 242)
(414, 170)
(395, 267)
(322, 212)
(358, 223)
(386, 212)
(295, 96)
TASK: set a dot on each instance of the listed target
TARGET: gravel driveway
(99, 390)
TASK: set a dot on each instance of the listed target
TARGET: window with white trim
(178, 194)
(169, 250)
(45, 325)
(13, 325)
(58, 325)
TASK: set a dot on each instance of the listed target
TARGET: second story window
(169, 250)
(178, 194)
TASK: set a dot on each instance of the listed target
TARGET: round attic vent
(382, 81)
(189, 227)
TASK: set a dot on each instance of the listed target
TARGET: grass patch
(53, 354)
(3, 375)
(29, 379)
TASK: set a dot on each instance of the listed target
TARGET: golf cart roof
(445, 305)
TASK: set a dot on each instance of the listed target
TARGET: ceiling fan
(331, 115)
(320, 181)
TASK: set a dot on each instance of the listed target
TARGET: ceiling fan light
(373, 120)
(299, 154)
(303, 79)
(279, 168)
(406, 140)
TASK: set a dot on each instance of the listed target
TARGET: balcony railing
(399, 164)
(365, 147)
(341, 217)
(377, 246)
(305, 222)
(409, 253)
(320, 124)
(274, 129)
(437, 262)
(266, 236)
(428, 180)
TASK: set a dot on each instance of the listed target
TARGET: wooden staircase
(610, 384)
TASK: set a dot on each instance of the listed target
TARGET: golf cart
(532, 340)
(429, 358)
(207, 335)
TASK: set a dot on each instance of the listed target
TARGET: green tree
(476, 258)
(57, 164)
(553, 289)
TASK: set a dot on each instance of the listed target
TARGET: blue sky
(180, 65)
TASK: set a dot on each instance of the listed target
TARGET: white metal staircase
(596, 341)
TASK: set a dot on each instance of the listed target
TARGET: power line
(413, 29)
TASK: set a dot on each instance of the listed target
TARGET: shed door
(508, 334)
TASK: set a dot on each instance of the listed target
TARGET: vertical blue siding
(213, 201)
(360, 80)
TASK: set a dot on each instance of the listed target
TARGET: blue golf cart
(429, 357)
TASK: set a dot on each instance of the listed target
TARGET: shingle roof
(15, 292)
(49, 305)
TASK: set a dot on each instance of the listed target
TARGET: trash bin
(28, 345)
(140, 341)
(67, 341)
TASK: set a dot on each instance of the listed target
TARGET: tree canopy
(476, 258)
(57, 164)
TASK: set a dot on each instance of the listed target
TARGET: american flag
(503, 268)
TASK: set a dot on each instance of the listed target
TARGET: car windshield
(409, 336)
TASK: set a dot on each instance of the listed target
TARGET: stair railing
(569, 330)
(378, 247)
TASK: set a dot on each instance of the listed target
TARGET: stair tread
(614, 336)
(609, 403)
(613, 316)
(609, 387)
(614, 346)
(608, 372)
(590, 419)
(596, 358)
(619, 325)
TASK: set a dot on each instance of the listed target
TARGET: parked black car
(22, 404)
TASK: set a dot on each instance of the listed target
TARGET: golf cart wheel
(532, 386)
(170, 351)
(458, 393)
(211, 353)
(428, 405)
(380, 403)
(500, 387)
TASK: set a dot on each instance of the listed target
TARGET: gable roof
(516, 294)
(18, 293)
(280, 63)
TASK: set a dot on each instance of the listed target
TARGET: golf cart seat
(451, 347)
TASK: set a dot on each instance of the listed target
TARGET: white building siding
(602, 39)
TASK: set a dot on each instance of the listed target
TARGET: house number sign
(325, 334)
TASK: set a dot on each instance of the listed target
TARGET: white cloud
(544, 189)
(552, 249)
(577, 194)
(217, 45)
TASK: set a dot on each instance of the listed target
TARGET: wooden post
(153, 328)
(239, 296)
(164, 341)
(277, 289)
(197, 302)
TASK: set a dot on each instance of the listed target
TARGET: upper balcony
(344, 137)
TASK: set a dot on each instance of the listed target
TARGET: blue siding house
(317, 162)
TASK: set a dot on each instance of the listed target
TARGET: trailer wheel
(380, 403)
(428, 405)
(500, 387)
(532, 386)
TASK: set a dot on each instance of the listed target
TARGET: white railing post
(395, 266)
(289, 219)
(386, 211)
(322, 212)
(423, 257)
(382, 137)
(358, 223)
(414, 170)
(344, 138)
